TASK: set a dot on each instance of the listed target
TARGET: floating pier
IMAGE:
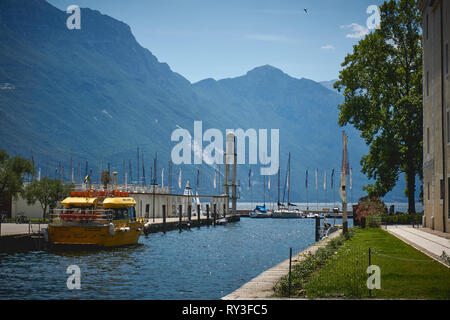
(159, 225)
(21, 237)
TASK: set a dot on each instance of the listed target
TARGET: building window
(442, 188)
(427, 83)
(428, 140)
(426, 27)
(428, 191)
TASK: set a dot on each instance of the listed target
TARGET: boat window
(132, 213)
(120, 214)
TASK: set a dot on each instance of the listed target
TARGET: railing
(123, 188)
(96, 216)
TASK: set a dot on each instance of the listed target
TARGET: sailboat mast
(278, 188)
(289, 179)
(264, 184)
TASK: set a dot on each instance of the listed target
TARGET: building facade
(436, 113)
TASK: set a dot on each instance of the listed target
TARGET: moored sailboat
(287, 211)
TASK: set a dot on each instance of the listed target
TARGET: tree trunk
(411, 187)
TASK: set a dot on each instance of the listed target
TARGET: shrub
(402, 218)
(371, 209)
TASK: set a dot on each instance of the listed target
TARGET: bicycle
(3, 218)
(21, 218)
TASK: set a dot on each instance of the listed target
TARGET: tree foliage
(382, 83)
(12, 171)
(47, 192)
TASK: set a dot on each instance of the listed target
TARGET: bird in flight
(305, 10)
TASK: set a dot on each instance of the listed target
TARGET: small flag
(162, 178)
(249, 178)
(87, 179)
(306, 180)
(268, 184)
(317, 182)
(332, 179)
(350, 178)
(342, 188)
(215, 177)
(179, 179)
(325, 180)
(198, 178)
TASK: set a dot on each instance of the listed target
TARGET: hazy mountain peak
(266, 70)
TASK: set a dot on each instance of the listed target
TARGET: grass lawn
(406, 273)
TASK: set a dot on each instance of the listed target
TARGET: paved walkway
(11, 229)
(429, 243)
(261, 287)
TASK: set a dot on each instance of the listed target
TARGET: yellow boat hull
(95, 235)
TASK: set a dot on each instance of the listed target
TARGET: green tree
(47, 192)
(382, 83)
(12, 171)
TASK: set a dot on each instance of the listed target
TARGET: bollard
(180, 216)
(198, 215)
(164, 217)
(317, 228)
(207, 215)
(189, 215)
(215, 214)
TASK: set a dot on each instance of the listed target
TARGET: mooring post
(198, 215)
(317, 228)
(189, 215)
(164, 217)
(215, 214)
(207, 214)
(180, 216)
(290, 266)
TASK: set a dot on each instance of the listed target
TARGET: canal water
(204, 263)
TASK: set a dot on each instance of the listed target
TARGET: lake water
(204, 263)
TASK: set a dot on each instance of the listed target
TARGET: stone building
(436, 113)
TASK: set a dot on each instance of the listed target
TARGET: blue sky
(220, 39)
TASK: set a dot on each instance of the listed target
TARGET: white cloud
(269, 37)
(328, 47)
(359, 31)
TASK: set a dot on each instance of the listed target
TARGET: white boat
(288, 213)
(260, 212)
(311, 215)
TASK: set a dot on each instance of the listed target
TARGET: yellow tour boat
(95, 218)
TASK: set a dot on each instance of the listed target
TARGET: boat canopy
(79, 202)
(260, 208)
(119, 202)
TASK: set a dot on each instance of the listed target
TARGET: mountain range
(96, 95)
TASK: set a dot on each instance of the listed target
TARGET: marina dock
(159, 225)
(21, 237)
(246, 212)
